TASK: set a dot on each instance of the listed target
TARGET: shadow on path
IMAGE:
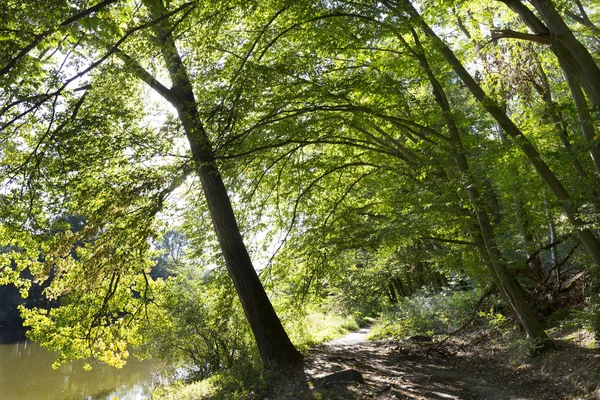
(390, 373)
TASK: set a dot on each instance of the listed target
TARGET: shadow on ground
(392, 372)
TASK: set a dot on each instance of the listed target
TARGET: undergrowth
(316, 328)
(249, 380)
(430, 314)
(238, 382)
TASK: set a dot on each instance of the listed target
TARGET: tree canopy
(365, 150)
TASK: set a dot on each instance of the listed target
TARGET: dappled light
(230, 187)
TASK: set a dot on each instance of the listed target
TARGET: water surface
(26, 374)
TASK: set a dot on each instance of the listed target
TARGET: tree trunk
(552, 232)
(585, 119)
(399, 287)
(588, 239)
(504, 280)
(392, 293)
(575, 56)
(575, 61)
(571, 54)
(561, 127)
(272, 341)
(420, 272)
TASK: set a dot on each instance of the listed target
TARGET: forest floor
(476, 366)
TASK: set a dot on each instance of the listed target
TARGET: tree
(352, 131)
(107, 33)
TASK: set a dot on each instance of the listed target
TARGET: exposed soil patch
(470, 368)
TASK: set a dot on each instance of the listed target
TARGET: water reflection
(26, 374)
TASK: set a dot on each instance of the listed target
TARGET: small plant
(589, 317)
(495, 319)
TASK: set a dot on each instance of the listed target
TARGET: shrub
(200, 325)
(589, 317)
(426, 314)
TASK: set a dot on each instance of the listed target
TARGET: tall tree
(273, 343)
(107, 30)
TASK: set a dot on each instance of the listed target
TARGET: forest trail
(399, 370)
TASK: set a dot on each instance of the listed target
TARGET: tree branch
(546, 247)
(38, 38)
(507, 33)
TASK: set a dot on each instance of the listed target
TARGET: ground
(476, 366)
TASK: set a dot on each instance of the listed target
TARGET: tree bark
(399, 287)
(272, 341)
(552, 232)
(583, 19)
(392, 293)
(568, 64)
(546, 93)
(585, 119)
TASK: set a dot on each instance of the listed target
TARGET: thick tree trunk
(273, 343)
(591, 243)
(560, 37)
(576, 58)
(561, 127)
(504, 280)
(591, 182)
(583, 19)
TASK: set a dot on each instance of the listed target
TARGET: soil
(480, 365)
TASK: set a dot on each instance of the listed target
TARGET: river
(26, 374)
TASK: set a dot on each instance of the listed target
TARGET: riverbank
(488, 364)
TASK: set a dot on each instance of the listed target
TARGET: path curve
(390, 372)
(355, 338)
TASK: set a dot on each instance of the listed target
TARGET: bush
(426, 314)
(200, 325)
(589, 317)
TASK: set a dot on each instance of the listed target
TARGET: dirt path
(392, 370)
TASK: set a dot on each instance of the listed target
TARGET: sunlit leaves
(333, 147)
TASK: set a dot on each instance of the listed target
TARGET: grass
(248, 381)
(317, 328)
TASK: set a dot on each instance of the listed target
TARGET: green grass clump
(240, 382)
(318, 327)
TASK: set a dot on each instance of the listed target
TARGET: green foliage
(241, 382)
(426, 314)
(314, 328)
(244, 377)
(198, 323)
(332, 147)
(589, 317)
